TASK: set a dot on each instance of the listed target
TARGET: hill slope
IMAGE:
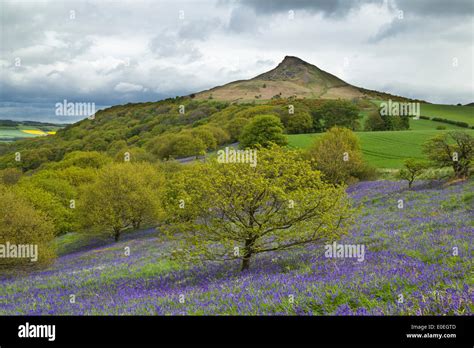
(293, 77)
(401, 257)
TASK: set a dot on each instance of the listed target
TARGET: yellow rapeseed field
(33, 131)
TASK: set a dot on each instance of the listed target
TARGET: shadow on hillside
(75, 242)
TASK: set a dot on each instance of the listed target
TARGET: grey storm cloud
(133, 51)
(327, 7)
(439, 8)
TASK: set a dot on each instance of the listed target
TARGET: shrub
(10, 176)
(338, 156)
(21, 224)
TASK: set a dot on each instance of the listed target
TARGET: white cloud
(125, 87)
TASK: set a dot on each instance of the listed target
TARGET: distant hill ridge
(293, 77)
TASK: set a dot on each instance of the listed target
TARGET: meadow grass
(450, 112)
(384, 149)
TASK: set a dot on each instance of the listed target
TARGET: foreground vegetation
(410, 252)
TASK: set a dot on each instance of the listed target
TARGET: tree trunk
(116, 234)
(245, 263)
(247, 255)
(458, 170)
(136, 224)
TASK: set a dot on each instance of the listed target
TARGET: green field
(17, 131)
(431, 125)
(10, 133)
(382, 149)
(450, 112)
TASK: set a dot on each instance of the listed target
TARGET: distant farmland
(450, 112)
(13, 130)
(459, 113)
(382, 149)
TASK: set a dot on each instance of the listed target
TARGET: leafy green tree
(61, 216)
(263, 130)
(20, 223)
(413, 169)
(125, 195)
(221, 136)
(251, 112)
(453, 149)
(82, 159)
(135, 154)
(337, 154)
(177, 146)
(338, 112)
(50, 180)
(374, 122)
(76, 176)
(235, 126)
(299, 122)
(206, 136)
(233, 211)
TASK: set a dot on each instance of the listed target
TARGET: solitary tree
(413, 169)
(263, 130)
(225, 211)
(125, 195)
(337, 154)
(455, 149)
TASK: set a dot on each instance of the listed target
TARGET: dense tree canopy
(263, 130)
(124, 195)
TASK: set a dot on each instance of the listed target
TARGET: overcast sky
(114, 52)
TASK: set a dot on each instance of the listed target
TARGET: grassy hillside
(143, 128)
(382, 149)
(451, 112)
(422, 124)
